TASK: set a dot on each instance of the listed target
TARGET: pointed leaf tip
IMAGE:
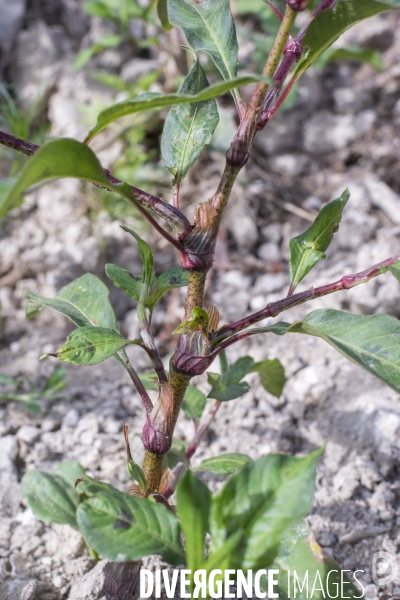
(309, 247)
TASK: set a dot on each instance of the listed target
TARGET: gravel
(350, 140)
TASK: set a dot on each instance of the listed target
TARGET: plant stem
(221, 196)
(179, 383)
(195, 293)
(152, 469)
(140, 387)
(149, 343)
(239, 150)
(194, 444)
(202, 429)
(275, 308)
(144, 200)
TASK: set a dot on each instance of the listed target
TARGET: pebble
(28, 434)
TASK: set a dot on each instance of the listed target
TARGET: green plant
(256, 519)
(22, 389)
(120, 13)
(20, 123)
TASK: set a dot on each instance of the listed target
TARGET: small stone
(326, 539)
(8, 453)
(383, 197)
(57, 581)
(28, 434)
(51, 422)
(71, 419)
(346, 481)
(269, 252)
(93, 585)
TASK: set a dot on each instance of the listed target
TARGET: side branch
(275, 308)
(145, 201)
(180, 467)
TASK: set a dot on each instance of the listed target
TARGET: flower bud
(298, 5)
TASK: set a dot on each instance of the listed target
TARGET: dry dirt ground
(344, 130)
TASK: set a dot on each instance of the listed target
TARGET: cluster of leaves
(22, 389)
(261, 502)
(85, 302)
(120, 13)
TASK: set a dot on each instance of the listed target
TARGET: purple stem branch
(194, 444)
(275, 308)
(325, 5)
(145, 201)
(140, 388)
(275, 10)
(293, 51)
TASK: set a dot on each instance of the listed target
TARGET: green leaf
(225, 393)
(226, 386)
(307, 248)
(212, 377)
(395, 270)
(329, 25)
(50, 497)
(136, 473)
(198, 320)
(146, 256)
(123, 279)
(5, 186)
(173, 278)
(69, 158)
(272, 376)
(220, 559)
(153, 100)
(193, 500)
(193, 403)
(224, 464)
(162, 12)
(70, 471)
(262, 499)
(239, 369)
(84, 301)
(8, 380)
(299, 553)
(90, 345)
(373, 342)
(55, 382)
(188, 127)
(122, 527)
(364, 55)
(208, 27)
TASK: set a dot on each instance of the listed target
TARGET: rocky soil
(344, 131)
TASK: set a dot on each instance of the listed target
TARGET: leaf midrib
(94, 345)
(215, 40)
(312, 248)
(360, 350)
(148, 532)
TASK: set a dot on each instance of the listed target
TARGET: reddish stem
(140, 388)
(275, 10)
(194, 444)
(145, 201)
(275, 308)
